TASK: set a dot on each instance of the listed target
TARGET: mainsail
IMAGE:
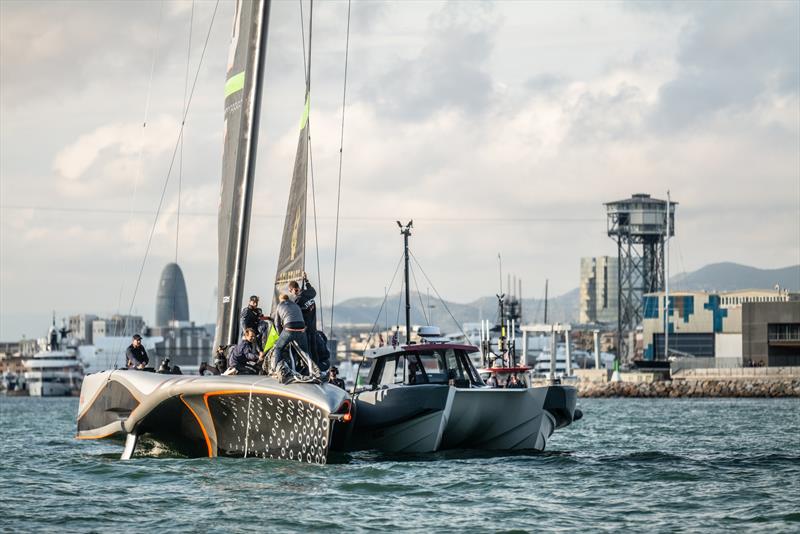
(292, 258)
(242, 102)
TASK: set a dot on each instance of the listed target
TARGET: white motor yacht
(53, 373)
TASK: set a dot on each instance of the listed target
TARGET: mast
(406, 231)
(242, 109)
(546, 281)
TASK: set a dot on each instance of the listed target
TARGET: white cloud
(123, 141)
(536, 112)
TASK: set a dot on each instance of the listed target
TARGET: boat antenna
(500, 268)
(406, 232)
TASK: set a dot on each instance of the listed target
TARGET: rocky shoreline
(737, 388)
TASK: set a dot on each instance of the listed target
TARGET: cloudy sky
(497, 127)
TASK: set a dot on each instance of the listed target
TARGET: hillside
(564, 308)
(732, 276)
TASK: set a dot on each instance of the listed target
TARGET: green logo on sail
(235, 83)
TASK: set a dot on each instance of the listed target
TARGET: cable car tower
(639, 227)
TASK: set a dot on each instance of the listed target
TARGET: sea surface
(635, 465)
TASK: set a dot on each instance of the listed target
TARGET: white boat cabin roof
(389, 350)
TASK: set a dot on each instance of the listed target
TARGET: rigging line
(303, 39)
(438, 295)
(180, 163)
(385, 300)
(139, 165)
(172, 160)
(400, 304)
(341, 147)
(421, 305)
(316, 235)
(307, 73)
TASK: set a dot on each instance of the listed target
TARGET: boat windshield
(440, 366)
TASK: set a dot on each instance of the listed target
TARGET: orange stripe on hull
(202, 427)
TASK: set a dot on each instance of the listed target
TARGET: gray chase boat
(240, 415)
(429, 397)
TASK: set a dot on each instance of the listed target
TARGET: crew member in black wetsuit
(304, 297)
(245, 356)
(251, 317)
(333, 378)
(135, 354)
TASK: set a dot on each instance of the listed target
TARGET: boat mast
(546, 281)
(242, 110)
(406, 231)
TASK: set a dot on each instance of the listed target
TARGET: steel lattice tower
(639, 227)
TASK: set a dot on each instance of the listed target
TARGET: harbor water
(636, 465)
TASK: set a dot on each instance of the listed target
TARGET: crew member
(135, 354)
(304, 297)
(291, 327)
(333, 378)
(245, 356)
(514, 382)
(252, 317)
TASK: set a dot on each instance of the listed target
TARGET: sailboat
(240, 415)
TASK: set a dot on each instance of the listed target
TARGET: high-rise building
(599, 290)
(172, 302)
(81, 327)
(117, 325)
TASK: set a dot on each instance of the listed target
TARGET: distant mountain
(733, 276)
(564, 308)
(364, 310)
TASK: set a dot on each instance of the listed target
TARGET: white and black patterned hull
(236, 416)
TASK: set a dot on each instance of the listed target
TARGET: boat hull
(429, 418)
(44, 388)
(238, 416)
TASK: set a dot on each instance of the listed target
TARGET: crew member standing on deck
(136, 355)
(251, 317)
(304, 297)
(291, 326)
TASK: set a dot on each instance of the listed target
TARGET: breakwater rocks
(789, 387)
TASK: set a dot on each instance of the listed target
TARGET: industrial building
(599, 295)
(735, 325)
(771, 333)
